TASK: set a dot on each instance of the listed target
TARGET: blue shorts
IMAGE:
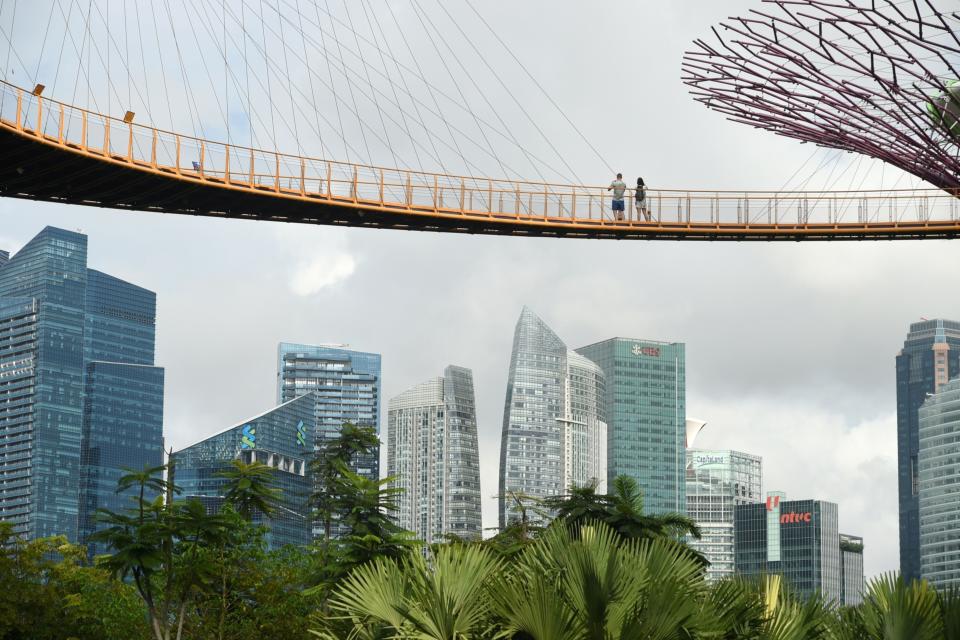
(618, 205)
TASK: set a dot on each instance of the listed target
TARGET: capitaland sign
(640, 350)
(704, 460)
(795, 518)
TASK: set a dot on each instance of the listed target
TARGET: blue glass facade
(279, 438)
(929, 358)
(646, 412)
(347, 387)
(939, 461)
(67, 420)
(798, 539)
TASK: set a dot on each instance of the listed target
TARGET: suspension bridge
(58, 152)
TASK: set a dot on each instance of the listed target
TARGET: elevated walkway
(55, 152)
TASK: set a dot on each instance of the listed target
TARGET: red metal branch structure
(877, 77)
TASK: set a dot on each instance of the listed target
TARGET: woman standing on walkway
(641, 197)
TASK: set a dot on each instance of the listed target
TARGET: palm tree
(147, 478)
(626, 516)
(893, 609)
(329, 468)
(599, 585)
(250, 487)
(443, 599)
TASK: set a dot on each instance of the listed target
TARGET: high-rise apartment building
(553, 422)
(433, 455)
(851, 570)
(645, 410)
(347, 388)
(798, 539)
(929, 358)
(718, 481)
(939, 486)
(281, 438)
(80, 397)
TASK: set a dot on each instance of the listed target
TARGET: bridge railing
(266, 171)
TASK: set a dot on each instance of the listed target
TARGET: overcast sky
(790, 347)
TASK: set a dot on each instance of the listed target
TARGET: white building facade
(718, 481)
(433, 456)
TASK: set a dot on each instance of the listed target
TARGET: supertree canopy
(877, 77)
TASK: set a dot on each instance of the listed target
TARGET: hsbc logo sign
(795, 518)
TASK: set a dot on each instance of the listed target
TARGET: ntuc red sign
(792, 518)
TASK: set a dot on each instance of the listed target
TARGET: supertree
(877, 77)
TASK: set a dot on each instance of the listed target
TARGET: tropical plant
(250, 488)
(893, 609)
(592, 583)
(330, 467)
(49, 591)
(161, 545)
(443, 599)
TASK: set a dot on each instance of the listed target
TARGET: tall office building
(80, 399)
(553, 423)
(929, 358)
(851, 570)
(432, 452)
(347, 387)
(939, 487)
(646, 416)
(798, 539)
(281, 438)
(718, 481)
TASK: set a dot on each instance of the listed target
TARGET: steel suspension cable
(539, 86)
(376, 103)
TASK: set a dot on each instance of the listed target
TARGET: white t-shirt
(618, 187)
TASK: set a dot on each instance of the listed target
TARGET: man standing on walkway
(618, 187)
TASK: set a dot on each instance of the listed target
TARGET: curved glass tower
(434, 457)
(554, 431)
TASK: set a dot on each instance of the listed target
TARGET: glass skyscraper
(553, 423)
(646, 410)
(346, 388)
(281, 438)
(798, 539)
(432, 452)
(80, 398)
(718, 481)
(939, 487)
(851, 570)
(929, 358)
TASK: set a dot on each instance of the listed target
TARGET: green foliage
(895, 610)
(49, 591)
(622, 511)
(251, 488)
(331, 471)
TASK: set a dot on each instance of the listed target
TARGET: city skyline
(789, 346)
